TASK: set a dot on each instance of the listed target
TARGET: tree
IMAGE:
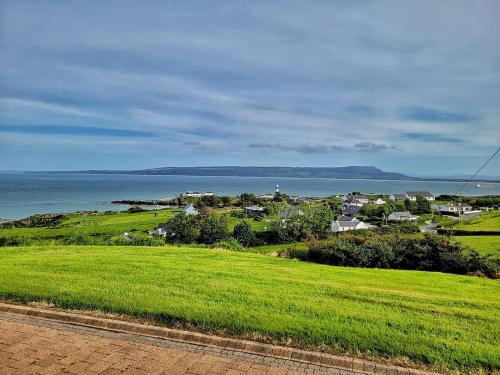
(244, 234)
(181, 229)
(321, 222)
(213, 229)
(408, 205)
(422, 205)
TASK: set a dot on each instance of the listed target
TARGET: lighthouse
(277, 191)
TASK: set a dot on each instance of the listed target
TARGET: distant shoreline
(125, 173)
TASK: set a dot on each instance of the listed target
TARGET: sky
(407, 86)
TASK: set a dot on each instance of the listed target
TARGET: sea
(25, 194)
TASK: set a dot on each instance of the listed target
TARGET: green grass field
(431, 318)
(489, 221)
(95, 224)
(484, 245)
(107, 225)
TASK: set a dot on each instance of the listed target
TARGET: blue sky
(406, 86)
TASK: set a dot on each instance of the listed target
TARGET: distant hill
(349, 172)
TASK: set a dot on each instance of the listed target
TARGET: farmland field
(484, 245)
(107, 225)
(440, 320)
(95, 224)
(489, 221)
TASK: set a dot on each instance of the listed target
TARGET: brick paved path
(31, 345)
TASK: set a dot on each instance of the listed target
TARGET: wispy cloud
(74, 131)
(375, 147)
(433, 115)
(429, 137)
(333, 82)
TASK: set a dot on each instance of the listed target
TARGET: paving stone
(34, 345)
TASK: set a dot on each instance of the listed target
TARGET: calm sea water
(24, 194)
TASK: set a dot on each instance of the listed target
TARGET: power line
(479, 170)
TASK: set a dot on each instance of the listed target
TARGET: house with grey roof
(351, 209)
(345, 223)
(190, 210)
(397, 197)
(401, 216)
(253, 210)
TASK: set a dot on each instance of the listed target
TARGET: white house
(356, 199)
(402, 216)
(379, 201)
(412, 195)
(160, 230)
(197, 194)
(345, 223)
(253, 210)
(190, 210)
(397, 197)
(453, 208)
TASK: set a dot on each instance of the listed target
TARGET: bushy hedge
(428, 253)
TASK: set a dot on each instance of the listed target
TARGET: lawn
(489, 221)
(111, 224)
(432, 318)
(108, 225)
(484, 245)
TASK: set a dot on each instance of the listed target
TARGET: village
(352, 211)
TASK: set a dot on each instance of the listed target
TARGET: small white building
(412, 195)
(453, 208)
(159, 231)
(379, 201)
(356, 199)
(190, 210)
(253, 210)
(402, 216)
(345, 223)
(266, 196)
(197, 194)
(397, 197)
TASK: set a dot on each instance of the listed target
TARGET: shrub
(134, 209)
(230, 244)
(429, 253)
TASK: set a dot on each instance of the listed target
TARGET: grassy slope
(482, 244)
(434, 318)
(94, 224)
(487, 221)
(111, 224)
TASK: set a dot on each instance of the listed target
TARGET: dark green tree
(213, 229)
(321, 221)
(181, 228)
(422, 206)
(244, 234)
(408, 205)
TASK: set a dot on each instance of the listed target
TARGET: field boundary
(194, 338)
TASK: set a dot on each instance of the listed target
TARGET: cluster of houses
(351, 206)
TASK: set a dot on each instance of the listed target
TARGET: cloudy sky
(409, 86)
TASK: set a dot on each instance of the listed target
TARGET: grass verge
(439, 320)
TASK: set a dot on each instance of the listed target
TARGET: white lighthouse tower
(277, 190)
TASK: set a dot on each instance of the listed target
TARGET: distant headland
(347, 172)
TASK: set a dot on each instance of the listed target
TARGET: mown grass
(484, 245)
(95, 224)
(107, 225)
(489, 221)
(431, 318)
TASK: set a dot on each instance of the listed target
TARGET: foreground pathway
(30, 345)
